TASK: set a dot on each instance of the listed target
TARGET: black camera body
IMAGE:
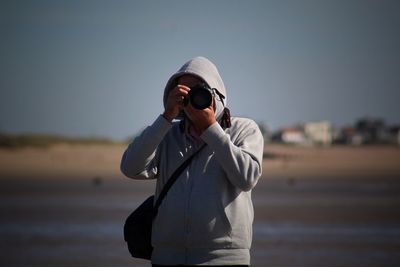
(200, 96)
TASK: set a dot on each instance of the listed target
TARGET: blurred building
(372, 130)
(369, 131)
(397, 140)
(365, 131)
(348, 136)
(319, 133)
(290, 136)
(310, 133)
(394, 135)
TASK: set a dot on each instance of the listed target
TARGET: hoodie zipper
(191, 167)
(187, 210)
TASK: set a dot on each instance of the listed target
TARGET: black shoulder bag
(138, 225)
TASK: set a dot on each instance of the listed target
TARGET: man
(206, 217)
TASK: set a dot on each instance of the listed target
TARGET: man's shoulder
(241, 122)
(243, 125)
(243, 128)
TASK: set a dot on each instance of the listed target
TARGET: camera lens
(200, 97)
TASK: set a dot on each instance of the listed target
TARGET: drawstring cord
(225, 120)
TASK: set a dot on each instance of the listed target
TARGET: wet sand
(303, 217)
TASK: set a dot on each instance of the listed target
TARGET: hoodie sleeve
(242, 160)
(139, 160)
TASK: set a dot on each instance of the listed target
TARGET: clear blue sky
(98, 68)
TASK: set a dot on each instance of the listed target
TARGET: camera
(200, 96)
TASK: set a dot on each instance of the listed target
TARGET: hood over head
(205, 70)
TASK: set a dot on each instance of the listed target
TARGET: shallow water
(306, 223)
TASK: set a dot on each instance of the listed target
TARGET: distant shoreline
(14, 141)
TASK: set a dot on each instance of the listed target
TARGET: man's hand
(175, 101)
(201, 119)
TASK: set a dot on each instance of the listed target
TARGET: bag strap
(172, 180)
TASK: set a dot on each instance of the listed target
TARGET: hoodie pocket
(209, 226)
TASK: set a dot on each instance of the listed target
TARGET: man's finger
(179, 91)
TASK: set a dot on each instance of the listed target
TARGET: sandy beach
(337, 206)
(88, 161)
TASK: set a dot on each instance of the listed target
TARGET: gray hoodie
(206, 217)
